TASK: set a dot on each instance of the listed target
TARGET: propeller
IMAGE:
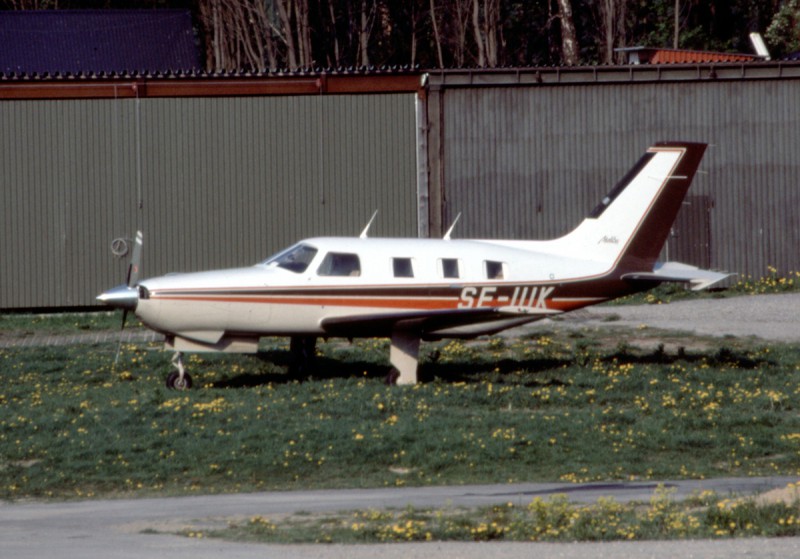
(133, 276)
(136, 261)
(126, 296)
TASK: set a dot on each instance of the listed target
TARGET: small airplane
(423, 289)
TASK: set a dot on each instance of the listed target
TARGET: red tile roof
(671, 56)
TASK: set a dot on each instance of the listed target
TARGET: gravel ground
(770, 317)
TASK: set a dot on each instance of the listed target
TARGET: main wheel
(174, 381)
(391, 378)
(303, 356)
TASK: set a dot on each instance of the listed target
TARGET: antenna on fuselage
(363, 234)
(453, 226)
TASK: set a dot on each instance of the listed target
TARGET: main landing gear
(302, 363)
(404, 357)
(180, 379)
(303, 356)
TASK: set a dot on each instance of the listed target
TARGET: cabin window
(295, 259)
(449, 267)
(340, 264)
(494, 270)
(402, 268)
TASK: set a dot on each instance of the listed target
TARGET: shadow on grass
(722, 357)
(497, 371)
(542, 371)
(277, 364)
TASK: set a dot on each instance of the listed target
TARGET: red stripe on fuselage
(319, 301)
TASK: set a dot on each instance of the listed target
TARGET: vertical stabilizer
(629, 227)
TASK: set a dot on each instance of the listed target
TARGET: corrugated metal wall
(67, 187)
(225, 181)
(531, 162)
(213, 182)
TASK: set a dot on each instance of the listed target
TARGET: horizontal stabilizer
(679, 273)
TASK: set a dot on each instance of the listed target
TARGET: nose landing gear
(178, 380)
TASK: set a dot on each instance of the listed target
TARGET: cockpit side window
(295, 259)
(340, 264)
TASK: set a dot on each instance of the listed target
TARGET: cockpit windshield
(295, 259)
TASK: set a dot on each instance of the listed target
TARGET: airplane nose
(120, 297)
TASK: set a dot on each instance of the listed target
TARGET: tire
(391, 378)
(173, 381)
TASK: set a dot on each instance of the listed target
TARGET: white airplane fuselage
(267, 299)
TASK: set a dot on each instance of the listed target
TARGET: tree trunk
(569, 38)
(363, 35)
(336, 55)
(266, 31)
(479, 33)
(436, 36)
(306, 57)
(612, 33)
(218, 63)
(459, 19)
(284, 13)
(491, 17)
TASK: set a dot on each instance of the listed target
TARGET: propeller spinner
(126, 296)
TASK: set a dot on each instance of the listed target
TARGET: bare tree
(485, 26)
(293, 31)
(612, 29)
(437, 38)
(285, 9)
(367, 16)
(303, 31)
(337, 54)
(457, 27)
(569, 37)
(263, 21)
(239, 35)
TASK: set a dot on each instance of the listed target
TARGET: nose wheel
(179, 379)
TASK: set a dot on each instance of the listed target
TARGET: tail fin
(629, 227)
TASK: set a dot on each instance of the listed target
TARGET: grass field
(568, 406)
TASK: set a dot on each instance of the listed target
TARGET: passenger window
(449, 267)
(402, 268)
(340, 264)
(494, 270)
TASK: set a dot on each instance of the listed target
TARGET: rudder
(628, 229)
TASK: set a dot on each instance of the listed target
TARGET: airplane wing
(469, 322)
(679, 272)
